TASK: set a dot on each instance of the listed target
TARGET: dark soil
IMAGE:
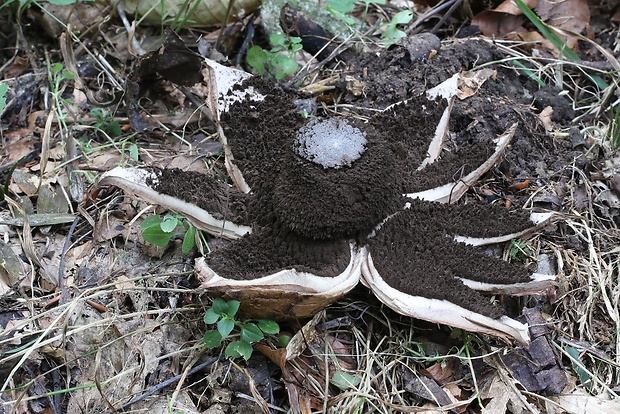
(392, 76)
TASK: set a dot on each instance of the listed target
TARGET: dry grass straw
(587, 316)
(387, 351)
(588, 310)
(54, 333)
(573, 78)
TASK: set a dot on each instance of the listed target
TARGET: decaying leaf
(507, 21)
(195, 13)
(12, 267)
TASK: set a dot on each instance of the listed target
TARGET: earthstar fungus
(320, 204)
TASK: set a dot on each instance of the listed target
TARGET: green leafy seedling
(58, 75)
(222, 314)
(4, 88)
(105, 121)
(345, 381)
(340, 9)
(160, 230)
(584, 376)
(278, 62)
(392, 33)
(519, 252)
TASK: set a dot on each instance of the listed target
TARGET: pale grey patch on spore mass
(331, 143)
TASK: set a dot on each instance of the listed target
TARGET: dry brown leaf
(206, 13)
(570, 15)
(580, 402)
(545, 117)
(82, 16)
(293, 379)
(18, 66)
(508, 22)
(510, 7)
(494, 24)
(442, 372)
(470, 82)
(11, 268)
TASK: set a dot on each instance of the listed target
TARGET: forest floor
(95, 318)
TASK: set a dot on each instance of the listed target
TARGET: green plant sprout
(89, 146)
(105, 122)
(344, 380)
(392, 33)
(341, 10)
(278, 62)
(528, 72)
(4, 88)
(519, 251)
(160, 230)
(222, 314)
(180, 20)
(58, 75)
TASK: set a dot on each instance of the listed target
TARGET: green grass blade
(528, 72)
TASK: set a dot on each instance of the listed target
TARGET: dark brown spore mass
(415, 252)
(345, 202)
(221, 200)
(269, 250)
(315, 202)
(473, 220)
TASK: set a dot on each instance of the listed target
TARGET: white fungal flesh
(331, 143)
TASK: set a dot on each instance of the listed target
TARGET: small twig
(341, 48)
(413, 29)
(130, 30)
(446, 16)
(220, 35)
(98, 383)
(61, 265)
(246, 43)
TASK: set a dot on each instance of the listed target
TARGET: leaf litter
(146, 330)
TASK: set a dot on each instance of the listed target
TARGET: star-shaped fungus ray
(208, 204)
(415, 252)
(281, 275)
